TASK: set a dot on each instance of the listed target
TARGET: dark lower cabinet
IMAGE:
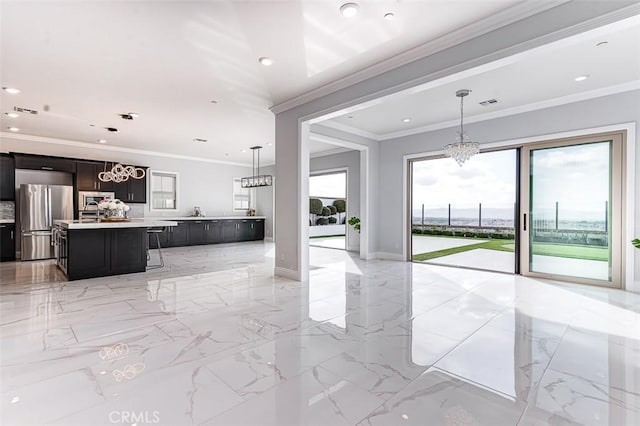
(189, 233)
(197, 232)
(214, 232)
(179, 235)
(229, 232)
(7, 241)
(102, 252)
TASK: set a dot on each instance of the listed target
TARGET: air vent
(489, 102)
(25, 110)
(199, 140)
(111, 129)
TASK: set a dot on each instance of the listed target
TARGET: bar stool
(156, 232)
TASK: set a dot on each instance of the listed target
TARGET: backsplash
(136, 210)
(7, 210)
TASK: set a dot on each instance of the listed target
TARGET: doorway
(328, 209)
(572, 210)
(551, 209)
(465, 216)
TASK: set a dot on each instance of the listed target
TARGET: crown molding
(350, 129)
(111, 148)
(547, 103)
(329, 152)
(503, 18)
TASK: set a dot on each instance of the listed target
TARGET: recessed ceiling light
(134, 114)
(214, 102)
(350, 116)
(266, 61)
(129, 115)
(581, 77)
(389, 16)
(12, 114)
(92, 125)
(244, 150)
(11, 90)
(602, 43)
(226, 153)
(14, 129)
(349, 10)
(199, 140)
(406, 120)
(111, 129)
(269, 144)
(102, 141)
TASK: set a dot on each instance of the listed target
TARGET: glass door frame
(617, 207)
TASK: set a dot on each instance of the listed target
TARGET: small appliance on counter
(197, 212)
(251, 212)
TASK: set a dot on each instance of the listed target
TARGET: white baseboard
(389, 256)
(286, 273)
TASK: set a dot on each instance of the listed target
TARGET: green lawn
(543, 249)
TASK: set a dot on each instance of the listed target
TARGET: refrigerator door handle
(49, 220)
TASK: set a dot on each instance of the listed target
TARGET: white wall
(204, 184)
(264, 201)
(351, 162)
(609, 110)
(551, 25)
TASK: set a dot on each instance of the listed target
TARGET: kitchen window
(242, 197)
(164, 191)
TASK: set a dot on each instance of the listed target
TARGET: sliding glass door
(571, 205)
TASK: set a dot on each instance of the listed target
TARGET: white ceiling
(167, 60)
(534, 77)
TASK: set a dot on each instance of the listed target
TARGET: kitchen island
(90, 249)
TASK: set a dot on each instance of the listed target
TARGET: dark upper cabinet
(132, 190)
(87, 177)
(7, 241)
(41, 162)
(7, 178)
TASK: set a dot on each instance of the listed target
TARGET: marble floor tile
(215, 338)
(436, 398)
(315, 397)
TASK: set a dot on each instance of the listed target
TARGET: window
(164, 190)
(242, 197)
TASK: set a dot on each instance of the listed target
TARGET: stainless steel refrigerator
(40, 205)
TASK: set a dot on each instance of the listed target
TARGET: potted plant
(355, 222)
(636, 243)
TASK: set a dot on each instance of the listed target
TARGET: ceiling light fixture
(129, 115)
(463, 149)
(257, 180)
(11, 90)
(602, 43)
(406, 120)
(120, 173)
(349, 10)
(581, 77)
(111, 129)
(102, 141)
(266, 61)
(389, 16)
(199, 140)
(14, 129)
(12, 114)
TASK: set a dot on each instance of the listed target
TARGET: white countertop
(7, 221)
(205, 217)
(134, 223)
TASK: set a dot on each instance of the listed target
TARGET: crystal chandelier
(120, 173)
(463, 149)
(257, 179)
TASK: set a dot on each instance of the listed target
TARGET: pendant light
(120, 173)
(257, 179)
(463, 149)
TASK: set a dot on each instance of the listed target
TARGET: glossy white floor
(215, 339)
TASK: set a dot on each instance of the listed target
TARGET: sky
(487, 178)
(576, 176)
(328, 186)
